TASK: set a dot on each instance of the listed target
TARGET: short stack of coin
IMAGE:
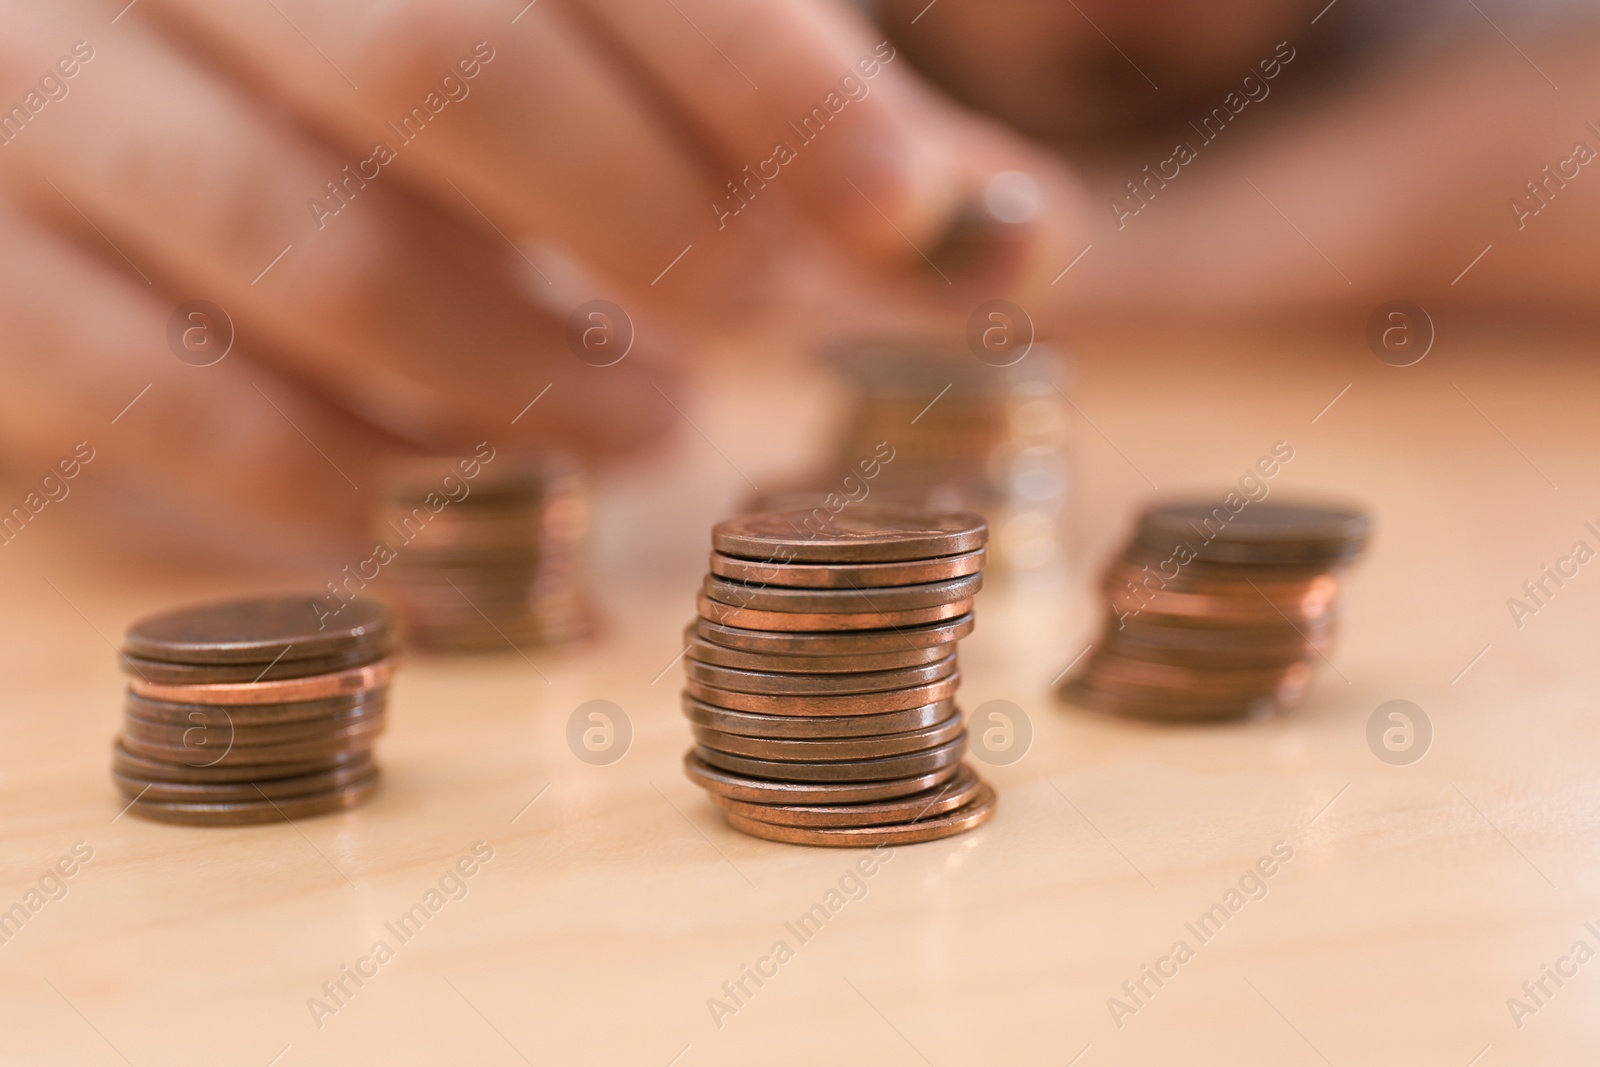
(487, 561)
(822, 675)
(252, 710)
(1218, 614)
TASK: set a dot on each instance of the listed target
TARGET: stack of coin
(930, 425)
(822, 675)
(252, 710)
(484, 561)
(1217, 614)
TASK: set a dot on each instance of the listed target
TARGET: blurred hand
(398, 204)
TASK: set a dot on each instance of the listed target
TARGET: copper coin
(317, 687)
(832, 704)
(1177, 633)
(259, 630)
(866, 770)
(262, 810)
(948, 824)
(227, 792)
(960, 790)
(1257, 532)
(766, 791)
(1153, 566)
(219, 753)
(135, 766)
(830, 643)
(184, 674)
(216, 728)
(817, 684)
(860, 533)
(803, 621)
(874, 600)
(752, 724)
(701, 651)
(1113, 673)
(174, 713)
(846, 575)
(821, 750)
(1146, 582)
(1245, 654)
(1242, 605)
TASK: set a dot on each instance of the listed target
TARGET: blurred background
(280, 266)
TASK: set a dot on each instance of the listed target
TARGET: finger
(800, 100)
(521, 127)
(388, 307)
(233, 450)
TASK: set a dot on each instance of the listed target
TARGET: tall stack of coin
(487, 559)
(822, 675)
(1216, 613)
(252, 710)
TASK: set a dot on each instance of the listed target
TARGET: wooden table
(1418, 898)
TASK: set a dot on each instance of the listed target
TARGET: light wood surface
(1418, 899)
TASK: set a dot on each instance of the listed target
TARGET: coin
(1310, 601)
(135, 766)
(790, 621)
(831, 704)
(317, 687)
(218, 752)
(948, 824)
(258, 630)
(497, 561)
(1258, 532)
(853, 748)
(1239, 653)
(187, 674)
(753, 724)
(960, 790)
(847, 575)
(860, 533)
(1112, 673)
(263, 810)
(218, 726)
(174, 713)
(865, 770)
(762, 790)
(226, 792)
(816, 684)
(876, 600)
(701, 651)
(830, 643)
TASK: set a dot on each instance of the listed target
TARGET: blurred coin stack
(1218, 614)
(489, 558)
(252, 710)
(822, 675)
(944, 430)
